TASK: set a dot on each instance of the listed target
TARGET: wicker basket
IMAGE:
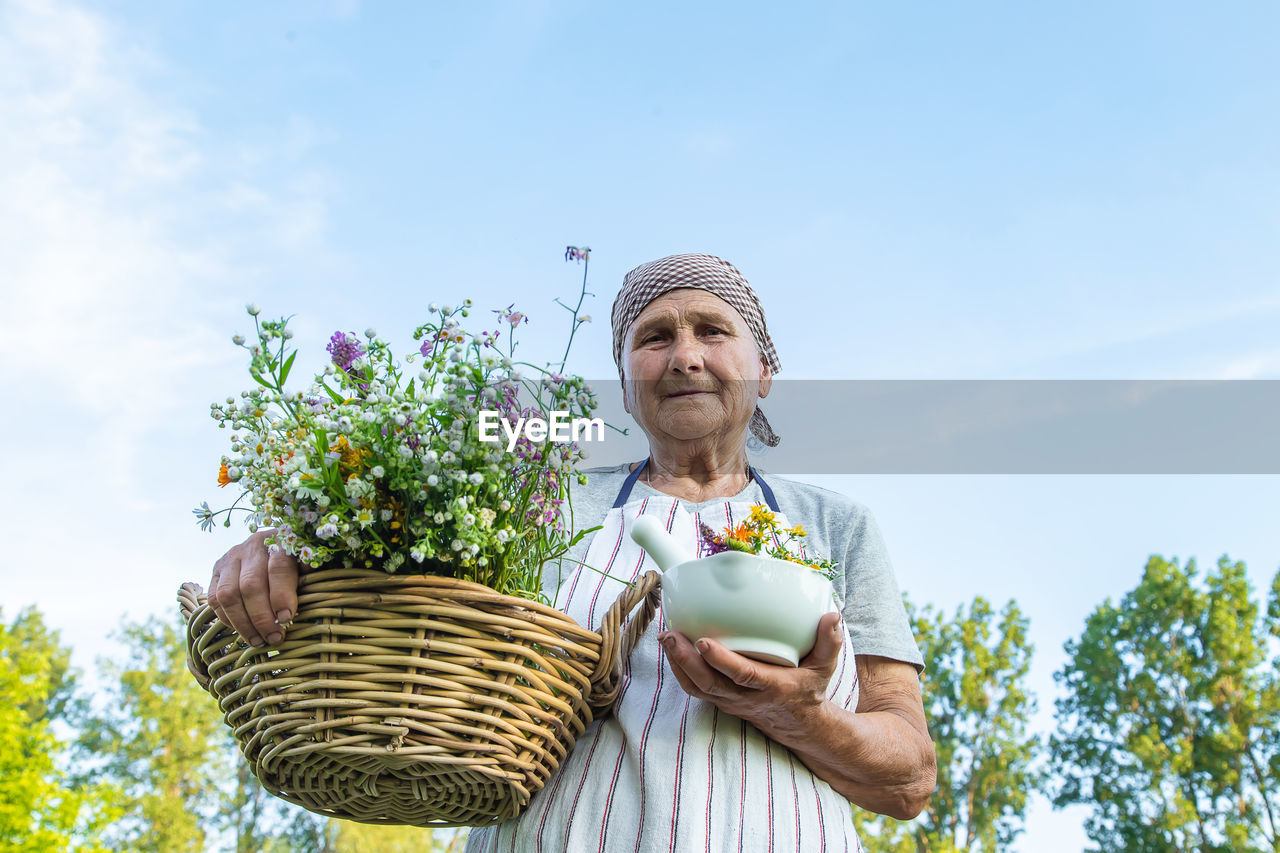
(411, 699)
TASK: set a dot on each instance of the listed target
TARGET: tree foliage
(39, 810)
(1169, 726)
(365, 838)
(35, 641)
(979, 710)
(156, 739)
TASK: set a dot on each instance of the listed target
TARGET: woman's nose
(686, 354)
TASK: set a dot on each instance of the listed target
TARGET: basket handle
(618, 641)
(191, 599)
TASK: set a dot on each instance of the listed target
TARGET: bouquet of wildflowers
(762, 534)
(378, 463)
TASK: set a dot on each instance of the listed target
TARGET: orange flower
(224, 479)
(742, 533)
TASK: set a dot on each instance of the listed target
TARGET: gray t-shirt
(837, 526)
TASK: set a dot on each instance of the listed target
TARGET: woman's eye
(712, 330)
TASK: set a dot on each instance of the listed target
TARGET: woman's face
(691, 368)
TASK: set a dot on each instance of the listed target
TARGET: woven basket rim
(479, 592)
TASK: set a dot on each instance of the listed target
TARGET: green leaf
(578, 537)
(288, 365)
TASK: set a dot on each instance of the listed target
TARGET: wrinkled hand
(775, 699)
(255, 592)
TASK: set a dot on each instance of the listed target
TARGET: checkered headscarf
(648, 281)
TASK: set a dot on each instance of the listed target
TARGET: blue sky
(982, 190)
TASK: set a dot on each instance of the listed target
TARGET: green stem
(586, 264)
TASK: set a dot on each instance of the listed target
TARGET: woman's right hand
(254, 591)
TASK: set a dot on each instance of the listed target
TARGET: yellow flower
(797, 531)
(761, 517)
(352, 458)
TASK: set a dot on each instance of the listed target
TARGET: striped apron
(666, 771)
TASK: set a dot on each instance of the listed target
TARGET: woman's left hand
(879, 758)
(778, 700)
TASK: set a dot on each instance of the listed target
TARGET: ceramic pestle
(649, 534)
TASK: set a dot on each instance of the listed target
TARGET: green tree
(257, 821)
(38, 642)
(979, 710)
(38, 808)
(305, 832)
(366, 838)
(1169, 726)
(311, 834)
(156, 738)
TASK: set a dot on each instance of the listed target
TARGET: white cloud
(128, 230)
(1258, 365)
(90, 171)
(107, 195)
(1201, 317)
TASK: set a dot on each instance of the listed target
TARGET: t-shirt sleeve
(873, 608)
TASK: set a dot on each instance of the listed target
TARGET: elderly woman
(706, 749)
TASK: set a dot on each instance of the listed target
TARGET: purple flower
(711, 543)
(428, 348)
(344, 348)
(515, 318)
